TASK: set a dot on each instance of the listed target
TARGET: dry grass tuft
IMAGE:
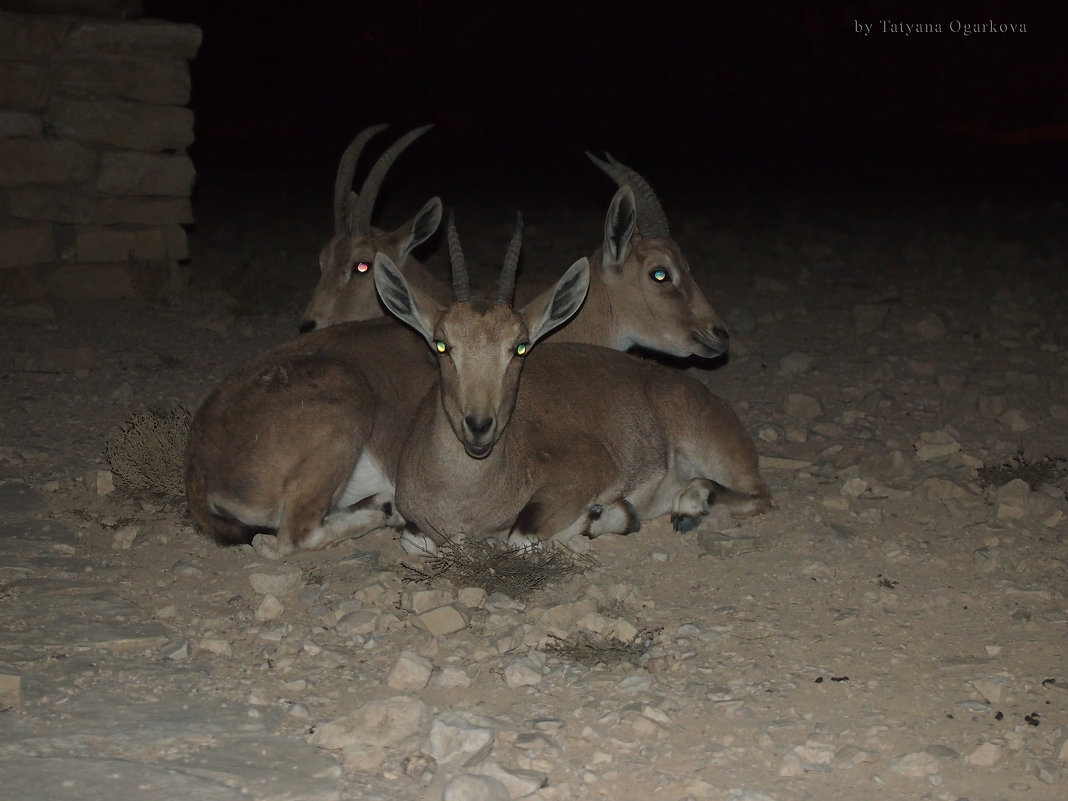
(591, 649)
(1046, 470)
(515, 572)
(147, 455)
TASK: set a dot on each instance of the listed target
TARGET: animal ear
(409, 304)
(421, 227)
(619, 226)
(556, 305)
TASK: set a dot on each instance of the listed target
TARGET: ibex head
(653, 299)
(346, 290)
(480, 345)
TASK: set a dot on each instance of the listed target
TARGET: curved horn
(652, 222)
(346, 168)
(369, 191)
(506, 283)
(461, 285)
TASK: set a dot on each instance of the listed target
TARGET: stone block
(141, 38)
(20, 123)
(162, 81)
(23, 85)
(115, 243)
(77, 282)
(56, 205)
(27, 244)
(80, 282)
(27, 162)
(28, 36)
(124, 124)
(123, 173)
(144, 211)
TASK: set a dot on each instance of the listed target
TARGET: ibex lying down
(346, 290)
(304, 441)
(641, 290)
(568, 440)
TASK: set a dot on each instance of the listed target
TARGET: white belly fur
(366, 480)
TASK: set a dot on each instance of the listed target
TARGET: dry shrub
(593, 649)
(1046, 470)
(515, 572)
(147, 455)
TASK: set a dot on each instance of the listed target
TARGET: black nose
(478, 428)
(722, 332)
(306, 326)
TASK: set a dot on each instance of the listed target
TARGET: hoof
(684, 523)
(417, 544)
(266, 545)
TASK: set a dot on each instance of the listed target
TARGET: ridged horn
(506, 283)
(652, 222)
(461, 284)
(365, 201)
(346, 169)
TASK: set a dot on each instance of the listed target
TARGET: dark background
(709, 95)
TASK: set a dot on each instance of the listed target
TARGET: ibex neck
(595, 323)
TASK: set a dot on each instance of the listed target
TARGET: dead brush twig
(515, 572)
(592, 649)
(147, 455)
(1045, 470)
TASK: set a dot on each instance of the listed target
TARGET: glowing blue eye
(659, 275)
(362, 267)
(440, 346)
(522, 348)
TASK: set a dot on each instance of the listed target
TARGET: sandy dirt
(896, 628)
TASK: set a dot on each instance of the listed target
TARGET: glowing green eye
(659, 275)
(440, 346)
(522, 348)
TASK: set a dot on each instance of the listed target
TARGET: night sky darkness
(773, 94)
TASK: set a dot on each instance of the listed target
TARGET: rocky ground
(896, 628)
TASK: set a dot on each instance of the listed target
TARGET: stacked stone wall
(95, 179)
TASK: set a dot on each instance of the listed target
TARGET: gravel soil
(895, 628)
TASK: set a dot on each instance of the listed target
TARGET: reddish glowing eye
(363, 267)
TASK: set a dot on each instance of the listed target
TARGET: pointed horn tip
(370, 130)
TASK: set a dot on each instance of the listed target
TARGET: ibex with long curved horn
(346, 290)
(641, 290)
(568, 440)
(304, 441)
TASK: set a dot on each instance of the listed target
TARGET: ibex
(304, 441)
(641, 290)
(346, 290)
(557, 441)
